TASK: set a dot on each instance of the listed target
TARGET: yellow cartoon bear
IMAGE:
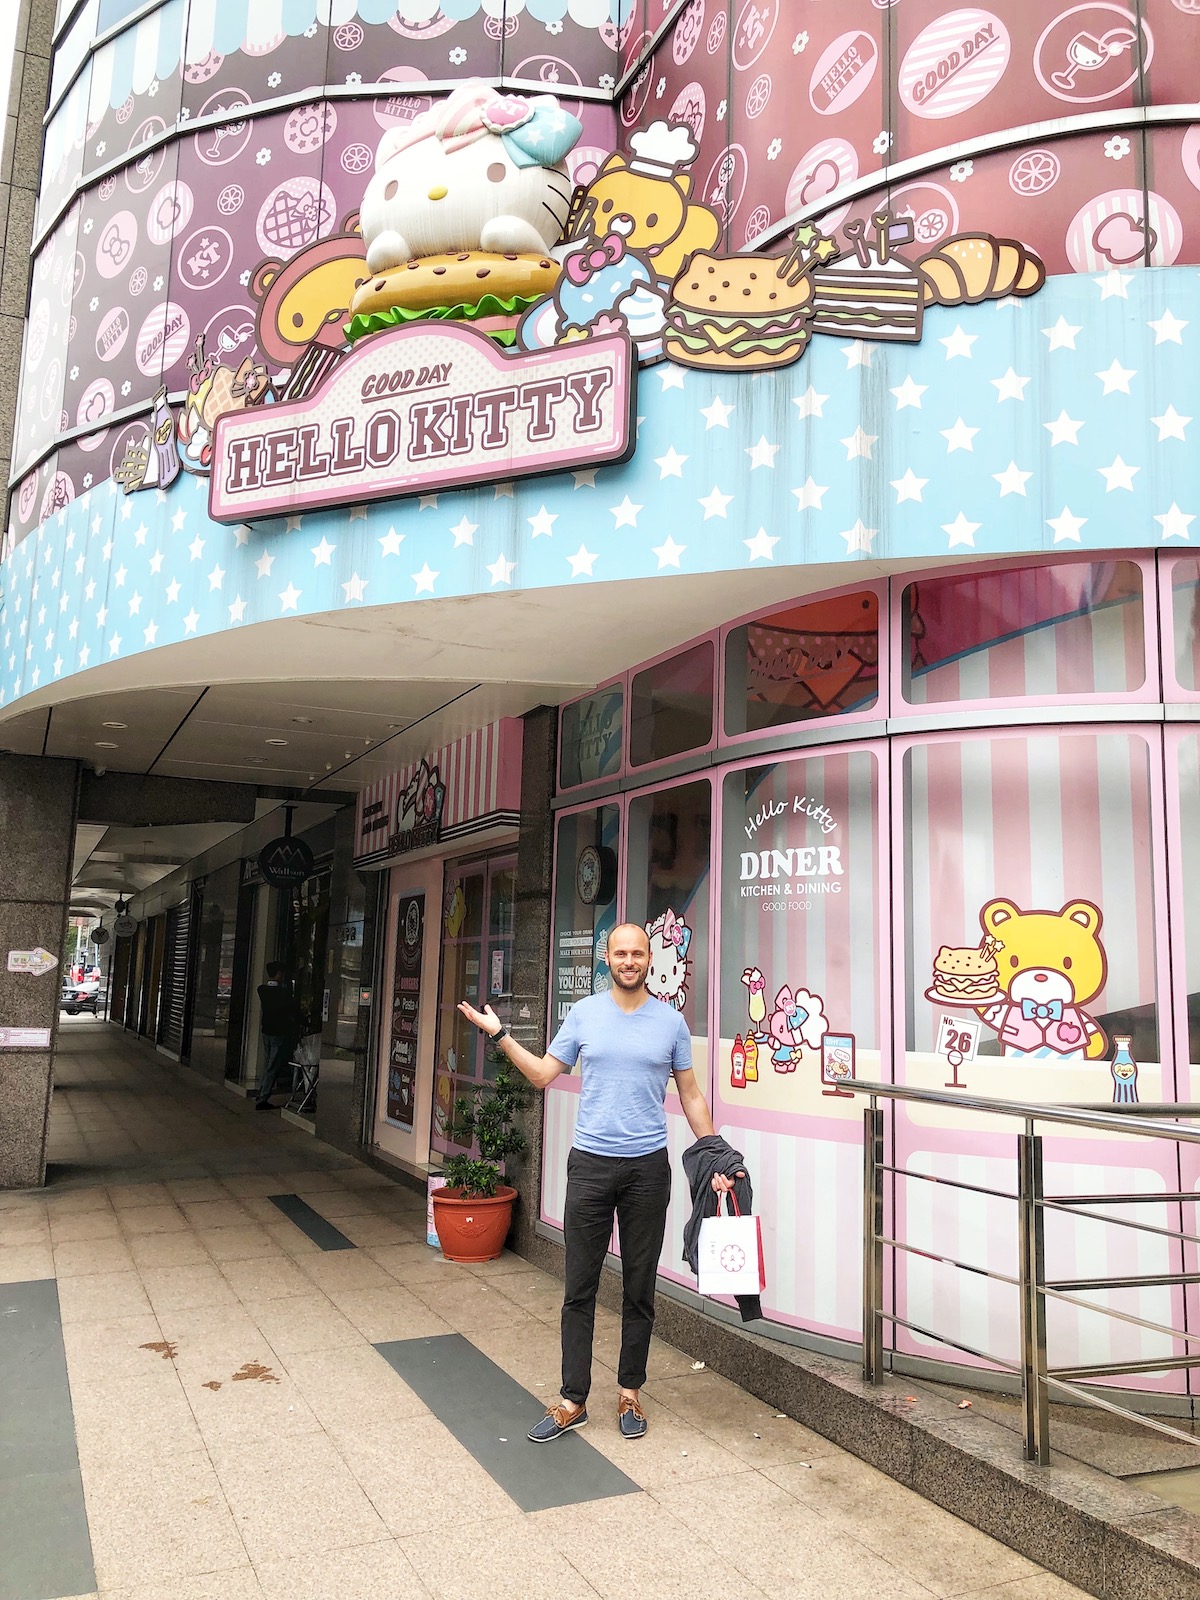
(646, 199)
(1051, 963)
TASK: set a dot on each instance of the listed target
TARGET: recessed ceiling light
(106, 744)
(301, 719)
(114, 724)
(276, 741)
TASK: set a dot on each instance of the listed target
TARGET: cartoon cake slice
(871, 293)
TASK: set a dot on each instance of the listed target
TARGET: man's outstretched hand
(485, 1019)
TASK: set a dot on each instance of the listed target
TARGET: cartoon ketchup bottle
(1124, 1072)
(751, 1059)
(737, 1065)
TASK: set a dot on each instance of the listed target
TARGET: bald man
(628, 1045)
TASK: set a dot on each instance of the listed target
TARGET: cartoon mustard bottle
(751, 1059)
(737, 1065)
(1124, 1072)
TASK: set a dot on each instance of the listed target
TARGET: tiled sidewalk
(240, 1438)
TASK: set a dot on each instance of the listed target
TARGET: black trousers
(637, 1189)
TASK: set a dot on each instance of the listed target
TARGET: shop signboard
(34, 962)
(421, 409)
(285, 862)
(406, 1011)
(24, 1038)
(125, 926)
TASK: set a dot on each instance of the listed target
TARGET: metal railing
(1037, 1377)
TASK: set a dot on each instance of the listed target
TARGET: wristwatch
(502, 1033)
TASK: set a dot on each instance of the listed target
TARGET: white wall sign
(24, 1038)
(35, 962)
(422, 408)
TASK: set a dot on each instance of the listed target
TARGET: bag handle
(732, 1198)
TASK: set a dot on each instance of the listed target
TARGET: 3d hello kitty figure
(480, 171)
(670, 966)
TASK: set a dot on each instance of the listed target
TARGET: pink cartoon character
(670, 965)
(797, 1021)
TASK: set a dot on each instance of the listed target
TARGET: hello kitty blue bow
(535, 132)
(677, 933)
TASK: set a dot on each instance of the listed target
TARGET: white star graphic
(1066, 526)
(101, 617)
(859, 444)
(958, 343)
(1062, 335)
(668, 553)
(960, 531)
(1168, 329)
(501, 570)
(585, 479)
(670, 376)
(114, 645)
(1012, 480)
(178, 520)
(288, 598)
(762, 454)
(156, 561)
(390, 542)
(89, 592)
(241, 534)
(542, 522)
(425, 579)
(58, 665)
(427, 502)
(582, 562)
(464, 532)
(1170, 426)
(810, 403)
(809, 494)
(358, 514)
(190, 621)
(150, 633)
(1010, 386)
(1063, 430)
(1175, 523)
(959, 437)
(625, 515)
(119, 577)
(502, 491)
(716, 415)
(216, 577)
(1114, 283)
(857, 354)
(909, 393)
(237, 610)
(762, 546)
(264, 564)
(355, 588)
(172, 592)
(670, 465)
(908, 487)
(196, 548)
(1116, 378)
(85, 655)
(859, 538)
(135, 603)
(1118, 476)
(322, 553)
(715, 504)
(293, 524)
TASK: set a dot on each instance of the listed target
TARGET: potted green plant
(473, 1212)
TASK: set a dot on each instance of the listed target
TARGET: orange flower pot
(472, 1229)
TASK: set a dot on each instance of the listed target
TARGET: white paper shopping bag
(730, 1259)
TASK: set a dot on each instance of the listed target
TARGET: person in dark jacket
(280, 1022)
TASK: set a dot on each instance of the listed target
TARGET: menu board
(406, 1012)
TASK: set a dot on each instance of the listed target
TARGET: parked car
(77, 997)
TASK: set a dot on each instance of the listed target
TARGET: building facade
(798, 566)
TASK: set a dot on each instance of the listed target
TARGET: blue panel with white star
(1058, 423)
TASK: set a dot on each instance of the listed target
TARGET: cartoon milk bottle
(737, 1065)
(1124, 1072)
(751, 1047)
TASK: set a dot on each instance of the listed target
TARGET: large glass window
(590, 744)
(669, 853)
(1072, 629)
(671, 706)
(1185, 612)
(806, 661)
(585, 905)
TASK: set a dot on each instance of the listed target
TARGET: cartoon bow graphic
(1036, 1011)
(580, 265)
(535, 132)
(678, 933)
(754, 980)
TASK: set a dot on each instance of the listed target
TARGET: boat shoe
(555, 1423)
(631, 1419)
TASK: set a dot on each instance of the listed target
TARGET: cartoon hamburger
(738, 312)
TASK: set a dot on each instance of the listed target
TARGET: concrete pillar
(531, 945)
(38, 800)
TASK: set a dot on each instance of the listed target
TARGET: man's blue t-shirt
(625, 1059)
